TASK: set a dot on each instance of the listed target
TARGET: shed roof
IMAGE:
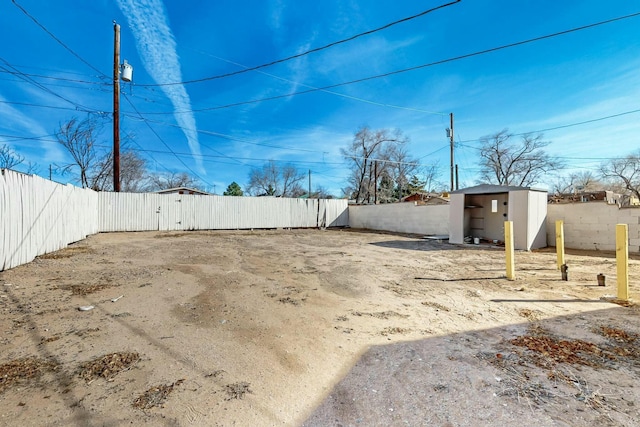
(493, 189)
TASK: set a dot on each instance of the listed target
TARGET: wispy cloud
(20, 123)
(277, 8)
(157, 48)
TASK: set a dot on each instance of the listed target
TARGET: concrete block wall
(401, 218)
(592, 225)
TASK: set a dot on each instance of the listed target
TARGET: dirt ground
(313, 328)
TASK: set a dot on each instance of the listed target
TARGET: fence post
(560, 242)
(622, 260)
(508, 246)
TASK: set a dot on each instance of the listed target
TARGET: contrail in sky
(157, 48)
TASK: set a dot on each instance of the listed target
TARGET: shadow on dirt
(576, 370)
(418, 245)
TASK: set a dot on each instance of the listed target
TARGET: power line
(56, 38)
(458, 143)
(355, 98)
(229, 137)
(560, 127)
(164, 143)
(59, 78)
(414, 68)
(34, 138)
(27, 104)
(317, 49)
(211, 156)
(41, 86)
(54, 84)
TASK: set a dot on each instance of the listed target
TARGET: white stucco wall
(456, 218)
(591, 225)
(401, 218)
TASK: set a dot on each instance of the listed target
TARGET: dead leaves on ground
(30, 368)
(562, 351)
(17, 370)
(237, 390)
(546, 350)
(155, 396)
(107, 366)
(556, 356)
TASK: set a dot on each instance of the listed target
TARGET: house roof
(184, 189)
(423, 195)
(493, 189)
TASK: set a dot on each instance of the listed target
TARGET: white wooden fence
(150, 211)
(39, 216)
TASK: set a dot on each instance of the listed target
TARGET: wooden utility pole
(451, 144)
(309, 196)
(116, 107)
(457, 181)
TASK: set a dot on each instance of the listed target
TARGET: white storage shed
(480, 212)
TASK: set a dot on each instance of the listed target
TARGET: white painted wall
(401, 218)
(591, 225)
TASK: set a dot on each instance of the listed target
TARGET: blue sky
(555, 82)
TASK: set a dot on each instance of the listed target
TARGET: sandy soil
(313, 328)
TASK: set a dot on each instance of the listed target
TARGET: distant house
(606, 196)
(421, 198)
(183, 190)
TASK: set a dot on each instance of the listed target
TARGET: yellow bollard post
(560, 242)
(508, 247)
(622, 260)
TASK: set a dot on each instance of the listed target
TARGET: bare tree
(274, 180)
(133, 173)
(79, 138)
(505, 162)
(321, 193)
(9, 159)
(624, 172)
(577, 181)
(172, 180)
(369, 155)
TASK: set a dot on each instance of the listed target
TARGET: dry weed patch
(393, 330)
(67, 252)
(85, 289)
(436, 305)
(380, 314)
